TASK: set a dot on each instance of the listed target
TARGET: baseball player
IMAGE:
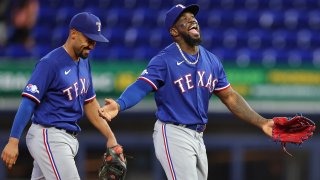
(183, 76)
(56, 96)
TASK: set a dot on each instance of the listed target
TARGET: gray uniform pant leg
(53, 151)
(181, 152)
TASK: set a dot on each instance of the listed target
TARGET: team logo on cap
(99, 25)
(32, 88)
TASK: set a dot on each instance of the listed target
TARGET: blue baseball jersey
(60, 87)
(183, 90)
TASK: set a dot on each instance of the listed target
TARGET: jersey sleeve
(155, 73)
(39, 81)
(223, 82)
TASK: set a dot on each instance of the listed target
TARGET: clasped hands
(109, 110)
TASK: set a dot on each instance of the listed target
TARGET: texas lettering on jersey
(185, 83)
(75, 88)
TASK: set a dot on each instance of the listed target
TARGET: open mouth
(194, 29)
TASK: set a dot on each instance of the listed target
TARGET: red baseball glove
(294, 130)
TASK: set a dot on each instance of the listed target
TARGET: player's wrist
(13, 140)
(118, 106)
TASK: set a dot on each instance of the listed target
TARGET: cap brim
(98, 38)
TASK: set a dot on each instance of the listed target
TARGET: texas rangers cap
(173, 14)
(89, 25)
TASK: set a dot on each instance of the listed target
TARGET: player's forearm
(22, 117)
(91, 110)
(133, 94)
(105, 129)
(240, 108)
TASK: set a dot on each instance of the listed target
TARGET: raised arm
(240, 108)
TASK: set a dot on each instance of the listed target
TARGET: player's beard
(191, 41)
(82, 55)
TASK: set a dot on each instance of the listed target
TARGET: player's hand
(109, 110)
(267, 127)
(10, 152)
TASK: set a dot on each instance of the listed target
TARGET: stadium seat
(284, 39)
(228, 4)
(119, 52)
(52, 4)
(64, 15)
(273, 56)
(100, 52)
(212, 37)
(45, 14)
(246, 56)
(119, 17)
(155, 4)
(314, 37)
(59, 35)
(255, 4)
(276, 4)
(159, 38)
(312, 4)
(17, 51)
(105, 4)
(206, 5)
(161, 19)
(42, 33)
(305, 38)
(219, 18)
(202, 17)
(115, 35)
(135, 4)
(144, 53)
(271, 19)
(299, 4)
(245, 18)
(316, 57)
(235, 38)
(259, 38)
(227, 55)
(314, 20)
(144, 17)
(40, 50)
(136, 36)
(297, 57)
(96, 11)
(294, 19)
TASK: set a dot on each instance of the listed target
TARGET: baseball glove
(293, 130)
(114, 165)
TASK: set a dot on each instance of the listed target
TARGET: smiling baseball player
(56, 96)
(184, 75)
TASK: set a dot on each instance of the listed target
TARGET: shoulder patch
(32, 88)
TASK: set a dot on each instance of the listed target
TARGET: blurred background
(270, 50)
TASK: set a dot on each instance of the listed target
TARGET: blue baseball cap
(173, 14)
(89, 25)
